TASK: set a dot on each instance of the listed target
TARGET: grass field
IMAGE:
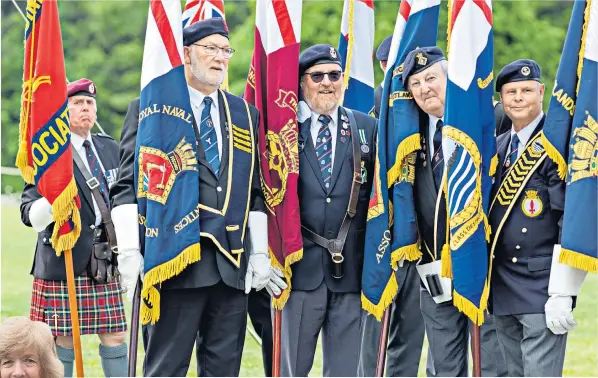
(18, 243)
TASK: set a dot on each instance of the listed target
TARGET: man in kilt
(101, 309)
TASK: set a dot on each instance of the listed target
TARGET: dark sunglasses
(317, 77)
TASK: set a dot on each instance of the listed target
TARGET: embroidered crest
(532, 205)
(421, 59)
(158, 170)
(525, 71)
(92, 88)
(584, 163)
(332, 53)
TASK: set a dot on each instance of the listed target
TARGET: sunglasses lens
(317, 76)
(334, 75)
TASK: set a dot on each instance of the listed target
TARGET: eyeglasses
(317, 77)
(212, 50)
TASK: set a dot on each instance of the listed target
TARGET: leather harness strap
(335, 246)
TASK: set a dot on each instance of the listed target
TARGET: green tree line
(103, 41)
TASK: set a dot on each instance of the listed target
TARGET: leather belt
(335, 246)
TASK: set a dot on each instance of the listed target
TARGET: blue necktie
(513, 154)
(94, 168)
(438, 160)
(324, 149)
(209, 140)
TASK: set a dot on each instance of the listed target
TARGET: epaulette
(103, 135)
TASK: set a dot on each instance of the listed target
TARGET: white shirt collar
(434, 120)
(197, 97)
(77, 140)
(333, 116)
(525, 133)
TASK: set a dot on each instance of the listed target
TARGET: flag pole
(70, 280)
(381, 362)
(276, 352)
(475, 350)
(134, 337)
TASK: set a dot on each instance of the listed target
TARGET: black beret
(384, 49)
(204, 28)
(421, 59)
(318, 54)
(519, 70)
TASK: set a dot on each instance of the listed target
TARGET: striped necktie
(324, 149)
(513, 154)
(96, 171)
(209, 140)
(438, 160)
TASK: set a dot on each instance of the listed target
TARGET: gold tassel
(407, 146)
(388, 295)
(579, 260)
(161, 273)
(493, 165)
(409, 252)
(447, 264)
(554, 154)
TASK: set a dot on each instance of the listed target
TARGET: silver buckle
(92, 183)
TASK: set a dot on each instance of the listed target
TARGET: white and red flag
(272, 86)
(197, 10)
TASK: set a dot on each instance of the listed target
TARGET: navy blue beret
(204, 28)
(420, 59)
(318, 54)
(519, 70)
(384, 49)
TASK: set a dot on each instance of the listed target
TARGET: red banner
(272, 87)
(45, 158)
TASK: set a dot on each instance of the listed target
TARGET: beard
(206, 75)
(321, 103)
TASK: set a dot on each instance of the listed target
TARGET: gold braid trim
(386, 299)
(449, 26)
(407, 146)
(161, 273)
(493, 165)
(579, 260)
(582, 47)
(63, 209)
(409, 252)
(556, 156)
(350, 44)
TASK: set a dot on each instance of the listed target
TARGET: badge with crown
(584, 162)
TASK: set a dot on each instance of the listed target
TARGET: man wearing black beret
(336, 160)
(382, 56)
(532, 295)
(208, 300)
(425, 76)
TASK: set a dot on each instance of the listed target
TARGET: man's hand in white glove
(258, 272)
(130, 265)
(277, 283)
(559, 316)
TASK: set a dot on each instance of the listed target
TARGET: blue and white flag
(391, 229)
(197, 10)
(470, 153)
(165, 158)
(356, 47)
(571, 136)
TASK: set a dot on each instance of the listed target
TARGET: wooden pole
(475, 350)
(70, 281)
(134, 338)
(381, 362)
(276, 352)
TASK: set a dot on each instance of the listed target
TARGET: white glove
(559, 316)
(399, 264)
(40, 214)
(130, 266)
(258, 269)
(130, 260)
(277, 283)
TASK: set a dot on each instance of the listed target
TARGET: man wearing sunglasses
(336, 160)
(207, 300)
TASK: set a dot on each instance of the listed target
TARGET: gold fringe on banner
(388, 295)
(407, 146)
(350, 44)
(63, 209)
(582, 47)
(278, 303)
(161, 273)
(579, 260)
(469, 309)
(409, 252)
(556, 156)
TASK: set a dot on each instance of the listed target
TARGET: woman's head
(27, 350)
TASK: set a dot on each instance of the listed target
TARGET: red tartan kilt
(100, 306)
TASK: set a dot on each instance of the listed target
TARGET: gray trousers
(447, 331)
(406, 331)
(338, 315)
(530, 348)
